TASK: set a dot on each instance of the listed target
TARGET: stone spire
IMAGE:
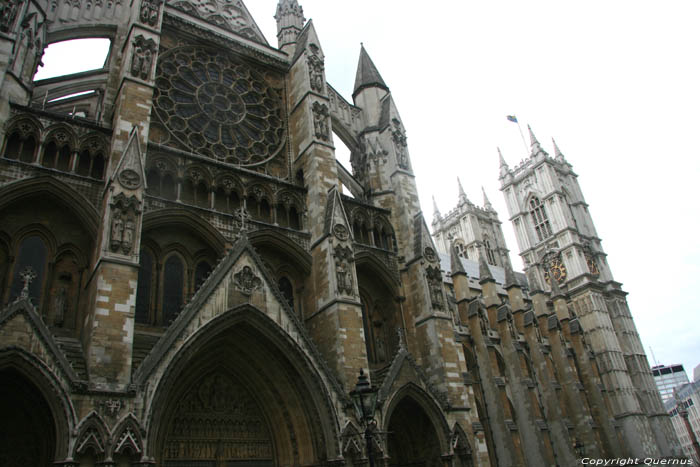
(455, 261)
(487, 204)
(556, 291)
(462, 195)
(535, 147)
(504, 169)
(436, 211)
(290, 22)
(367, 74)
(557, 152)
(511, 281)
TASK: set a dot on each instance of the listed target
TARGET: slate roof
(472, 270)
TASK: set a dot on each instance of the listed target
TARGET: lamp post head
(364, 398)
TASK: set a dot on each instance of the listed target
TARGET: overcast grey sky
(616, 83)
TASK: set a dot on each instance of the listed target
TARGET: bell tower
(561, 250)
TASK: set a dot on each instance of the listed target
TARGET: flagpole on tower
(514, 119)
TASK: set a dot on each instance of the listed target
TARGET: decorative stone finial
(27, 275)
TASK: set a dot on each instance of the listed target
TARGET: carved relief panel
(218, 420)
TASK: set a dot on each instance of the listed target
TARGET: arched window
(287, 290)
(153, 180)
(202, 195)
(32, 254)
(265, 211)
(490, 257)
(98, 166)
(144, 287)
(168, 190)
(50, 152)
(234, 202)
(200, 274)
(461, 250)
(220, 200)
(540, 219)
(13, 146)
(173, 288)
(294, 218)
(19, 146)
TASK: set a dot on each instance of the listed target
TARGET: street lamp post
(364, 398)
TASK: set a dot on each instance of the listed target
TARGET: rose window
(218, 108)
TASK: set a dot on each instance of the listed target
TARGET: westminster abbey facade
(185, 279)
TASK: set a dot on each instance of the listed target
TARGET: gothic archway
(27, 424)
(416, 430)
(241, 394)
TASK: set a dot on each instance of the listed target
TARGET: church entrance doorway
(27, 424)
(217, 423)
(413, 441)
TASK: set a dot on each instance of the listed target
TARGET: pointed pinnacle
(367, 74)
(455, 261)
(533, 139)
(487, 203)
(501, 160)
(557, 152)
(484, 271)
(533, 283)
(461, 190)
(511, 280)
(436, 211)
(556, 291)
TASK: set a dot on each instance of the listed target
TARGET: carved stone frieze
(218, 418)
(227, 14)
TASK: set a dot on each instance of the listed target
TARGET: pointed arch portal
(27, 424)
(240, 395)
(413, 439)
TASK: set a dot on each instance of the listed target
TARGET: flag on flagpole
(512, 118)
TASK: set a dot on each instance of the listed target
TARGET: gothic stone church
(184, 283)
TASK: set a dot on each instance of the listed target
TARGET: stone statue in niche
(434, 277)
(315, 72)
(379, 344)
(59, 307)
(142, 57)
(399, 136)
(343, 270)
(321, 129)
(123, 224)
(117, 231)
(149, 11)
(128, 238)
(8, 13)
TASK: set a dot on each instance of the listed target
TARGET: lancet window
(540, 220)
